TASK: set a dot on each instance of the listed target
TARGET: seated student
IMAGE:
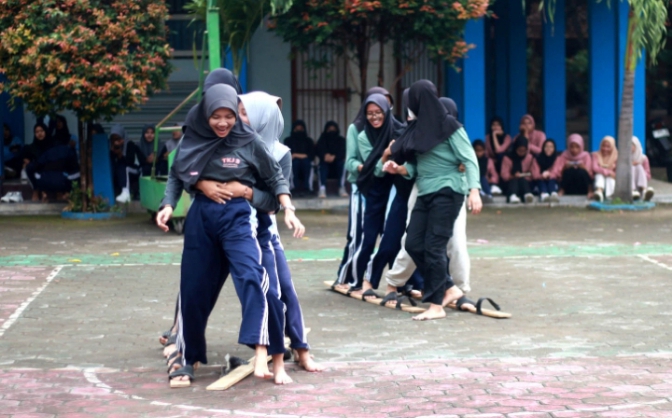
(641, 172)
(11, 153)
(497, 141)
(125, 156)
(62, 132)
(54, 171)
(168, 147)
(488, 173)
(574, 169)
(146, 146)
(330, 150)
(534, 137)
(547, 183)
(42, 142)
(519, 169)
(303, 152)
(604, 168)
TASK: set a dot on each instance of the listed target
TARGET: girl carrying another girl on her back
(604, 168)
(574, 169)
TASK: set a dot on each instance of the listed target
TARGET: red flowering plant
(98, 58)
(350, 27)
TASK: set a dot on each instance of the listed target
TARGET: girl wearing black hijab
(62, 132)
(345, 278)
(434, 145)
(330, 150)
(303, 152)
(42, 142)
(218, 146)
(146, 145)
(376, 186)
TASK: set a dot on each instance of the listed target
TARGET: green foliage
(98, 58)
(95, 204)
(350, 27)
(238, 21)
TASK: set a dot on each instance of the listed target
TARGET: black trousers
(575, 181)
(428, 233)
(520, 187)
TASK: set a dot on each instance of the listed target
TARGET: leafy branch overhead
(97, 58)
(238, 21)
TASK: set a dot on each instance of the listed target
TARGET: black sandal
(369, 292)
(172, 339)
(390, 296)
(400, 301)
(480, 302)
(165, 336)
(187, 370)
(462, 301)
(174, 358)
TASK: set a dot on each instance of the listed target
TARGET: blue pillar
(603, 72)
(242, 77)
(639, 120)
(500, 66)
(517, 64)
(471, 102)
(554, 79)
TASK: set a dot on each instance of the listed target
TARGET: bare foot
(452, 294)
(306, 361)
(261, 363)
(416, 294)
(168, 350)
(434, 312)
(357, 292)
(367, 286)
(342, 286)
(280, 375)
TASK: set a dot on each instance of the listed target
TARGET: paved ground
(81, 306)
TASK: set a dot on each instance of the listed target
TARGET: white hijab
(637, 154)
(263, 111)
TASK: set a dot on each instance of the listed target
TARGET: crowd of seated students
(529, 167)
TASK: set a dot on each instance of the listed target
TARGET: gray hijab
(263, 111)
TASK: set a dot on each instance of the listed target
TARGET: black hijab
(222, 76)
(546, 162)
(432, 125)
(491, 136)
(379, 138)
(331, 142)
(360, 119)
(404, 105)
(37, 148)
(62, 135)
(517, 160)
(451, 106)
(147, 148)
(200, 141)
(482, 161)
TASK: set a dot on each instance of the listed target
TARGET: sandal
(480, 302)
(163, 339)
(369, 293)
(389, 297)
(188, 371)
(464, 300)
(174, 358)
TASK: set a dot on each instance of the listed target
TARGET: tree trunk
(624, 164)
(363, 49)
(83, 164)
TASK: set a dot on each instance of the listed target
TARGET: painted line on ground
(17, 313)
(656, 262)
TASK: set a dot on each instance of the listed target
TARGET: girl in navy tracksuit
(372, 142)
(217, 146)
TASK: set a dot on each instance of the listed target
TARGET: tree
(238, 21)
(351, 27)
(98, 58)
(647, 31)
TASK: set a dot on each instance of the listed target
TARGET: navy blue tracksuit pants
(390, 242)
(213, 230)
(294, 324)
(354, 238)
(374, 211)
